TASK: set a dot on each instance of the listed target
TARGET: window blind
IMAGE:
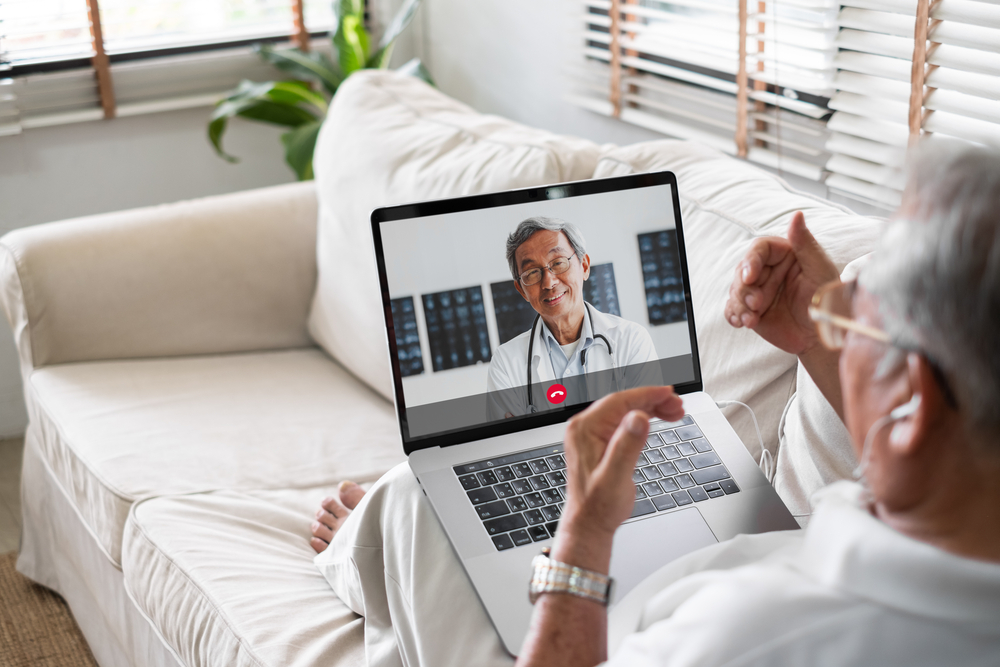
(55, 72)
(750, 80)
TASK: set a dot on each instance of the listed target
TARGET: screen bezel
(507, 198)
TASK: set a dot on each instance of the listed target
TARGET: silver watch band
(551, 576)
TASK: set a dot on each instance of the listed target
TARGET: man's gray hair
(937, 273)
(531, 225)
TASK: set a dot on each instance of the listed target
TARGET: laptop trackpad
(643, 547)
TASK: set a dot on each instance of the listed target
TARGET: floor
(10, 494)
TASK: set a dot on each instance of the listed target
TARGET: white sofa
(199, 375)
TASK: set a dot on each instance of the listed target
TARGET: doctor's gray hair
(937, 273)
(531, 225)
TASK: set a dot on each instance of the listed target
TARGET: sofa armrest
(230, 273)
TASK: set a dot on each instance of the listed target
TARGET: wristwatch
(551, 576)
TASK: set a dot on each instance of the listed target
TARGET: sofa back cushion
(391, 139)
(725, 205)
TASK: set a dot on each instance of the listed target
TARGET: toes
(322, 532)
(318, 545)
(335, 507)
(327, 519)
(350, 494)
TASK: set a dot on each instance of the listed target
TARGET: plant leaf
(300, 144)
(297, 92)
(311, 66)
(216, 128)
(380, 59)
(351, 40)
(277, 113)
(253, 100)
(414, 67)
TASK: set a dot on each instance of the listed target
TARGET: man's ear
(520, 290)
(585, 263)
(918, 417)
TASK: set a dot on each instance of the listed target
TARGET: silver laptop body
(494, 480)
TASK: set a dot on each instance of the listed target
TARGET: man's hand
(602, 446)
(775, 283)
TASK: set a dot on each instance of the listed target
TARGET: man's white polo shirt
(848, 590)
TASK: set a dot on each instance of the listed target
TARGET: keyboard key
(520, 538)
(539, 466)
(551, 513)
(467, 468)
(713, 474)
(505, 474)
(652, 441)
(488, 478)
(538, 533)
(652, 489)
(668, 437)
(711, 486)
(505, 524)
(701, 444)
(651, 473)
(655, 456)
(517, 504)
(642, 460)
(683, 465)
(689, 432)
(563, 492)
(668, 485)
(521, 485)
(503, 490)
(642, 507)
(705, 460)
(667, 469)
(715, 493)
(534, 517)
(551, 496)
(551, 527)
(681, 498)
(478, 496)
(684, 481)
(492, 510)
(664, 503)
(686, 448)
(534, 499)
(556, 462)
(503, 542)
(729, 486)
(637, 477)
(698, 494)
(686, 419)
(469, 482)
(671, 452)
(538, 482)
(639, 493)
(522, 469)
(556, 478)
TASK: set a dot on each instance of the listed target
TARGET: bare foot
(332, 514)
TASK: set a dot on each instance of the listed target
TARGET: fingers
(350, 494)
(814, 260)
(757, 281)
(660, 402)
(625, 445)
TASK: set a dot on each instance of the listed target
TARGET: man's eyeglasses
(830, 310)
(558, 266)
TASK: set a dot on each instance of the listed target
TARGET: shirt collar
(586, 334)
(849, 549)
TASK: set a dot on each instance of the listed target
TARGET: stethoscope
(583, 353)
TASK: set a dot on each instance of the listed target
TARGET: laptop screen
(518, 309)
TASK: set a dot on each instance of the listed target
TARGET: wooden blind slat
(100, 63)
(615, 94)
(301, 36)
(918, 68)
(742, 94)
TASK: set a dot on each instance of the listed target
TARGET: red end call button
(556, 394)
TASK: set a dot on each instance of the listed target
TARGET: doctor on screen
(568, 337)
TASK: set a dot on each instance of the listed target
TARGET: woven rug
(36, 627)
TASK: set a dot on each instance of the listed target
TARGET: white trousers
(392, 563)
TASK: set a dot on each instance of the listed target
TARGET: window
(140, 56)
(832, 92)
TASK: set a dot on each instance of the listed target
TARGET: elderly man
(569, 337)
(900, 568)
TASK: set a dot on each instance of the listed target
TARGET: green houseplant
(301, 103)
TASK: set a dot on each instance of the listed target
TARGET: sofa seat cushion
(725, 205)
(228, 578)
(115, 432)
(392, 139)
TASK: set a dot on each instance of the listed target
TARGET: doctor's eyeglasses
(830, 310)
(558, 266)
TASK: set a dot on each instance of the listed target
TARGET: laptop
(482, 408)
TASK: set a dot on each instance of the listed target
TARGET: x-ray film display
(456, 328)
(661, 274)
(514, 314)
(404, 319)
(600, 290)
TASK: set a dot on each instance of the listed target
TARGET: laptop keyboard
(520, 497)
